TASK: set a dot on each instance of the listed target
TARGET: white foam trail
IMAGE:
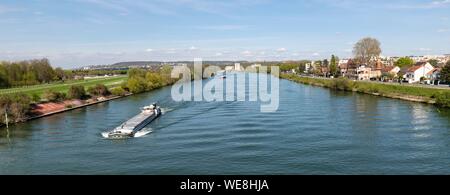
(143, 132)
(165, 110)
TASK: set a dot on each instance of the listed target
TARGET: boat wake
(143, 132)
(166, 110)
(138, 134)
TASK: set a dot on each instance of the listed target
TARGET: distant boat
(134, 125)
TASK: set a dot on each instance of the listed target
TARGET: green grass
(64, 86)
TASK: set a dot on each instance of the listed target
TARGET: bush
(118, 91)
(99, 90)
(341, 84)
(17, 106)
(77, 92)
(443, 99)
(54, 96)
(36, 98)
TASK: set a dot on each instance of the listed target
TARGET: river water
(315, 131)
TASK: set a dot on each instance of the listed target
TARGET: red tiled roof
(414, 68)
(432, 71)
(387, 69)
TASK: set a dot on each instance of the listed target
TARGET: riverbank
(439, 97)
(48, 109)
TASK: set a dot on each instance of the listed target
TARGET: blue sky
(73, 33)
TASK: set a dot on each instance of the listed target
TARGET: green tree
(445, 72)
(60, 74)
(333, 65)
(154, 80)
(3, 76)
(325, 63)
(136, 72)
(433, 62)
(136, 85)
(404, 62)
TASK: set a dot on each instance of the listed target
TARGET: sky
(75, 33)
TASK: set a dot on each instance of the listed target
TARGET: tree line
(28, 72)
(40, 71)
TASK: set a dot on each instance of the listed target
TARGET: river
(315, 131)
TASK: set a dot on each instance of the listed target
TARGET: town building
(415, 73)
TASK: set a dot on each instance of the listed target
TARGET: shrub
(118, 91)
(77, 92)
(341, 84)
(36, 98)
(99, 90)
(17, 106)
(443, 99)
(54, 96)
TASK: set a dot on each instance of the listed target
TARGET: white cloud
(247, 53)
(149, 50)
(193, 48)
(171, 51)
(423, 49)
(316, 54)
(442, 30)
(219, 54)
(281, 50)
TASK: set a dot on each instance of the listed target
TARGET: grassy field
(64, 87)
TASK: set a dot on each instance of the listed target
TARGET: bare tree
(367, 50)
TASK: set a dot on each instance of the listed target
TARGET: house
(308, 67)
(433, 76)
(389, 73)
(348, 69)
(418, 71)
(394, 70)
(365, 73)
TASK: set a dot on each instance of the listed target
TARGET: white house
(307, 67)
(415, 73)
